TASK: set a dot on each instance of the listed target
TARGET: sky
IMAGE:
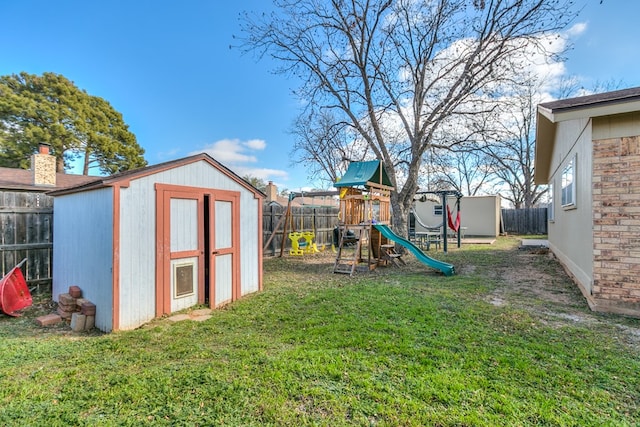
(169, 68)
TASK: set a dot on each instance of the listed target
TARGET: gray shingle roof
(22, 179)
(631, 94)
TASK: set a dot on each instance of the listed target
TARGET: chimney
(43, 166)
(272, 192)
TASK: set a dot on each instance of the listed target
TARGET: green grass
(395, 347)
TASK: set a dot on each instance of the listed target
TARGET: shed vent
(183, 274)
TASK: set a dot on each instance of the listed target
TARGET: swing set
(302, 241)
(448, 220)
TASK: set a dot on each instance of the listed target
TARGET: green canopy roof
(362, 173)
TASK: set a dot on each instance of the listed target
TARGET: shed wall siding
(82, 249)
(616, 214)
(249, 241)
(481, 215)
(137, 254)
(137, 236)
(571, 232)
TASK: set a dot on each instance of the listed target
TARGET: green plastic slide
(446, 268)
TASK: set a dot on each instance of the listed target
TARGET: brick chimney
(43, 166)
(272, 192)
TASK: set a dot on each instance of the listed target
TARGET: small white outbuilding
(152, 241)
(480, 215)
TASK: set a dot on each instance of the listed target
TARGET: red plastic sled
(14, 293)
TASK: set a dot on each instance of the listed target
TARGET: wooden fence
(26, 231)
(320, 220)
(524, 221)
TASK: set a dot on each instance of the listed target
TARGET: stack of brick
(67, 306)
(85, 319)
(72, 307)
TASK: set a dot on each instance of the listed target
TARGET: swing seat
(296, 244)
(309, 246)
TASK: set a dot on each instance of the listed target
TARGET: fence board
(26, 232)
(321, 220)
(525, 221)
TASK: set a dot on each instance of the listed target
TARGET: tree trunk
(399, 219)
(60, 164)
(85, 167)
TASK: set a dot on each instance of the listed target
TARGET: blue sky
(167, 67)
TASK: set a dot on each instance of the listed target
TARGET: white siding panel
(249, 234)
(137, 254)
(223, 279)
(83, 248)
(223, 221)
(184, 225)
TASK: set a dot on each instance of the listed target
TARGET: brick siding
(616, 222)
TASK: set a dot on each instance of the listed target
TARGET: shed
(588, 152)
(480, 214)
(145, 243)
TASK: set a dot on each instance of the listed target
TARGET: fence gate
(26, 231)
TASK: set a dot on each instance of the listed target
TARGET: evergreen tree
(51, 109)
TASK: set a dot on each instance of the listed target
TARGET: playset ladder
(348, 258)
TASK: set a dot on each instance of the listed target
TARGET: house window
(437, 210)
(550, 205)
(569, 184)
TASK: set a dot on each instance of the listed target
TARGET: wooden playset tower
(364, 201)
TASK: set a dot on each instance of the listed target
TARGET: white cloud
(229, 151)
(256, 144)
(265, 174)
(239, 156)
(577, 29)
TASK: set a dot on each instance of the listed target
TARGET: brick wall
(616, 224)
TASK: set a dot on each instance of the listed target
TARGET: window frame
(438, 210)
(551, 205)
(568, 184)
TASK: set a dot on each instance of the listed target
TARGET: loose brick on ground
(48, 320)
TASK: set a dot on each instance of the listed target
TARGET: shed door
(181, 253)
(225, 254)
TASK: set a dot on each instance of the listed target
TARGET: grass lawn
(506, 341)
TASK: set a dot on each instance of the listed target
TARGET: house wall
(616, 213)
(138, 238)
(82, 249)
(571, 229)
(479, 214)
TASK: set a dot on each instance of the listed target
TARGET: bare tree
(471, 172)
(325, 145)
(511, 144)
(395, 70)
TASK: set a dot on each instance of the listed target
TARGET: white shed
(149, 242)
(480, 215)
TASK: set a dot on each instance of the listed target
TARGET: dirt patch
(535, 281)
